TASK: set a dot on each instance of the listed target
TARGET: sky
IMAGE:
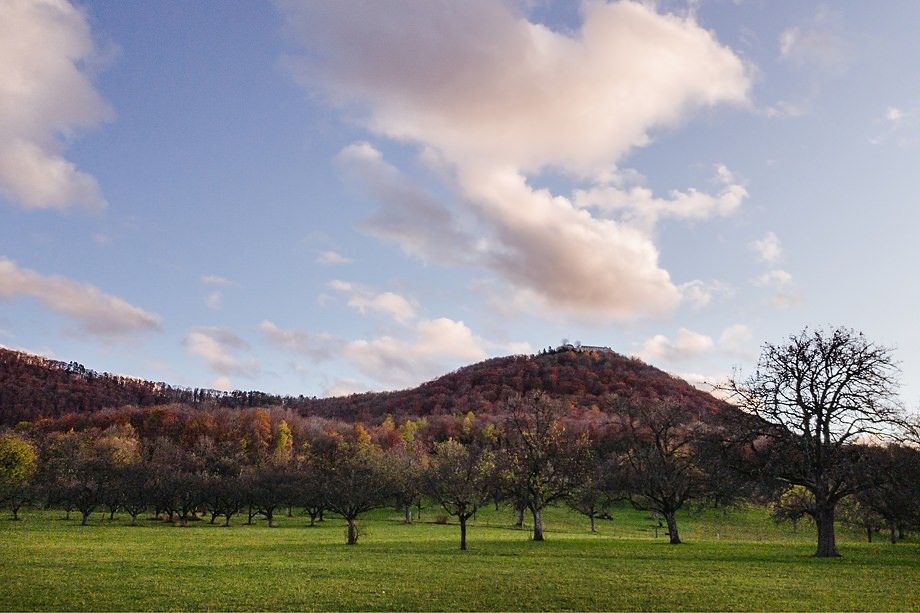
(332, 197)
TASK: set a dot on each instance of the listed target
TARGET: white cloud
(816, 45)
(364, 300)
(213, 300)
(685, 346)
(429, 348)
(332, 258)
(438, 346)
(346, 387)
(699, 294)
(768, 249)
(638, 205)
(498, 99)
(736, 340)
(779, 282)
(94, 311)
(894, 114)
(222, 384)
(220, 349)
(478, 81)
(775, 277)
(410, 216)
(898, 125)
(318, 347)
(216, 280)
(46, 97)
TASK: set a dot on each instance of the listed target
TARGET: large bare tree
(817, 395)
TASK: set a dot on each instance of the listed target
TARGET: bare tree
(816, 395)
(661, 459)
(459, 478)
(543, 461)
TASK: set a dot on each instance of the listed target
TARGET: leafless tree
(661, 460)
(815, 396)
(543, 461)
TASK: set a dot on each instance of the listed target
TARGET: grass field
(734, 561)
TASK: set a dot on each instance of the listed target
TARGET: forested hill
(32, 387)
(586, 378)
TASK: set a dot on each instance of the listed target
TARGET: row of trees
(821, 433)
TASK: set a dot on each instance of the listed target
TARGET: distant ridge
(32, 387)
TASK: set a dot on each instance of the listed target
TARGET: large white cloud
(496, 99)
(94, 311)
(480, 82)
(46, 97)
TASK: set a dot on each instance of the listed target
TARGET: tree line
(820, 435)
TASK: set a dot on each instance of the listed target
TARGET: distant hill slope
(585, 378)
(33, 387)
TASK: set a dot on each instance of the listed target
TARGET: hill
(32, 387)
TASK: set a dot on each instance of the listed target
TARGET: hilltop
(32, 387)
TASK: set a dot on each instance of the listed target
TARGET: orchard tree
(357, 478)
(542, 462)
(662, 461)
(459, 479)
(409, 466)
(602, 484)
(17, 466)
(816, 396)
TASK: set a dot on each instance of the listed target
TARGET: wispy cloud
(95, 312)
(221, 349)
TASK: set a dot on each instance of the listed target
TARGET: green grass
(734, 561)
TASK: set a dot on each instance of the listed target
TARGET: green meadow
(734, 560)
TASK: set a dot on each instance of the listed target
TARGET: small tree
(815, 396)
(357, 478)
(601, 485)
(17, 466)
(459, 479)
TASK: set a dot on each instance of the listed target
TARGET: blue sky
(322, 198)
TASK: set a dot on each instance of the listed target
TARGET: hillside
(32, 387)
(586, 378)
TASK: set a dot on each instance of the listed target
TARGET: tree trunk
(593, 527)
(463, 532)
(408, 515)
(827, 541)
(671, 518)
(520, 517)
(313, 515)
(270, 516)
(15, 509)
(869, 533)
(537, 524)
(893, 536)
(902, 533)
(290, 512)
(85, 515)
(352, 532)
(251, 515)
(111, 514)
(66, 513)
